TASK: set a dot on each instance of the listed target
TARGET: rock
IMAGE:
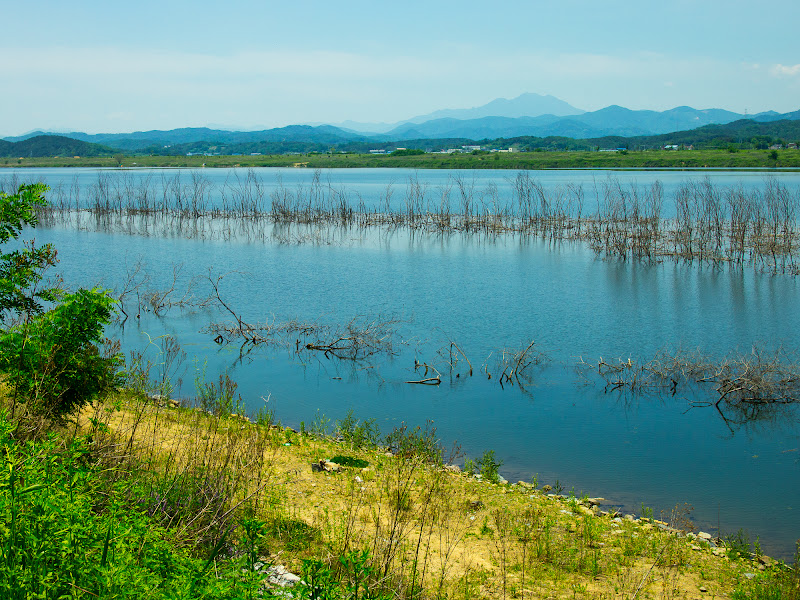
(358, 479)
(749, 575)
(704, 536)
(316, 467)
(502, 480)
(474, 504)
(525, 485)
(595, 501)
(547, 488)
(703, 590)
(452, 468)
(278, 575)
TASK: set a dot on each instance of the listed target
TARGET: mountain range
(528, 115)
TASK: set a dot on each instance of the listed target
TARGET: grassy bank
(653, 159)
(143, 498)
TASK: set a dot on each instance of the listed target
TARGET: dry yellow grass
(426, 528)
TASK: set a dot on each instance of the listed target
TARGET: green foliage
(350, 461)
(21, 270)
(408, 152)
(52, 360)
(738, 544)
(219, 399)
(490, 466)
(419, 444)
(359, 434)
(65, 532)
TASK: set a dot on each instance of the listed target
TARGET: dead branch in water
(760, 377)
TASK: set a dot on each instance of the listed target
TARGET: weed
(358, 434)
(490, 466)
(350, 461)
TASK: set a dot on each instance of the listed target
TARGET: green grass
(646, 159)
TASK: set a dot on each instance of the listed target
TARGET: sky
(109, 67)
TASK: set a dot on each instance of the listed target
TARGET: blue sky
(117, 67)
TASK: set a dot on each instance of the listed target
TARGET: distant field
(654, 159)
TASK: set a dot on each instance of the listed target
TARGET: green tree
(51, 358)
(21, 270)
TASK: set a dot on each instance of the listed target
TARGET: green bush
(21, 270)
(490, 466)
(68, 532)
(51, 359)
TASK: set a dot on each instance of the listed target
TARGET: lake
(424, 290)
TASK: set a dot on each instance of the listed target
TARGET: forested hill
(52, 145)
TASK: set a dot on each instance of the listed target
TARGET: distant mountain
(52, 145)
(610, 121)
(526, 105)
(141, 140)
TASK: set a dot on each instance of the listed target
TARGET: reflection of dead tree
(452, 354)
(159, 301)
(425, 380)
(759, 378)
(359, 339)
(515, 364)
(224, 332)
(135, 279)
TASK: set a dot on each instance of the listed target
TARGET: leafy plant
(359, 434)
(52, 359)
(490, 466)
(21, 271)
(350, 461)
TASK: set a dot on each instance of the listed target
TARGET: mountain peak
(524, 105)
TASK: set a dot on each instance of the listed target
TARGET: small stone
(704, 536)
(278, 575)
(358, 479)
(703, 590)
(547, 488)
(474, 504)
(749, 575)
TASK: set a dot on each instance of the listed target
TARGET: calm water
(489, 294)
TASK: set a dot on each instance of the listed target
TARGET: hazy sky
(111, 66)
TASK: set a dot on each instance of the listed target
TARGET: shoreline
(753, 160)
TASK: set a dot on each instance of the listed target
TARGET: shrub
(52, 361)
(490, 466)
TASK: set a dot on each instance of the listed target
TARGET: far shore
(645, 160)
